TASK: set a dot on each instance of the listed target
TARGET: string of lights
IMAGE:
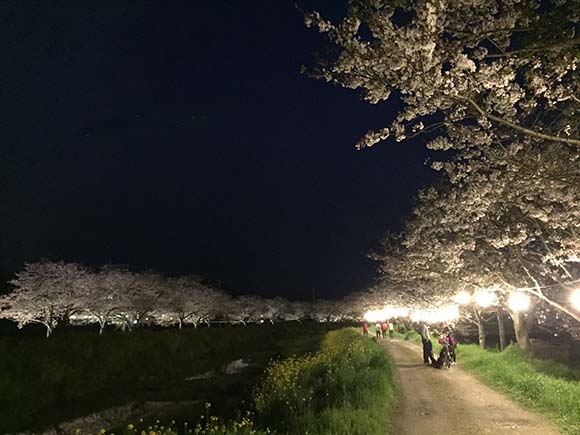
(517, 300)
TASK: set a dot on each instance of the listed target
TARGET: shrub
(347, 387)
(210, 426)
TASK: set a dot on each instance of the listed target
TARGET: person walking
(384, 329)
(365, 329)
(427, 345)
(391, 329)
(378, 330)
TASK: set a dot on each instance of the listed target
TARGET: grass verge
(544, 386)
(348, 387)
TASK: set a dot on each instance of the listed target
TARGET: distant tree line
(58, 293)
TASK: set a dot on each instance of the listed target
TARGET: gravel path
(452, 402)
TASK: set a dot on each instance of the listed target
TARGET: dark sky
(181, 136)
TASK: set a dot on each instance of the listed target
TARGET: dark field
(76, 372)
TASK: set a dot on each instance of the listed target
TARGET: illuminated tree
(138, 300)
(107, 294)
(296, 311)
(275, 309)
(185, 300)
(244, 309)
(329, 310)
(475, 63)
(47, 293)
(493, 231)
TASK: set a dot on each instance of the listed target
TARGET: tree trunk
(48, 330)
(480, 329)
(522, 330)
(101, 326)
(180, 323)
(501, 329)
(126, 325)
(404, 327)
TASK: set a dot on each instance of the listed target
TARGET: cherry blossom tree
(274, 309)
(47, 293)
(296, 311)
(186, 300)
(476, 63)
(139, 299)
(244, 309)
(328, 310)
(108, 294)
(491, 231)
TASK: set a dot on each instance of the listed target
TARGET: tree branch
(545, 47)
(537, 291)
(518, 127)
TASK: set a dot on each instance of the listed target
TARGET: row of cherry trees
(495, 85)
(55, 293)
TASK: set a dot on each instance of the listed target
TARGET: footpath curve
(452, 402)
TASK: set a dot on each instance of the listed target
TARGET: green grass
(76, 372)
(544, 386)
(414, 337)
(348, 387)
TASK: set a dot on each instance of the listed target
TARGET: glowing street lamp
(518, 301)
(388, 312)
(575, 299)
(485, 298)
(462, 298)
(373, 316)
(439, 315)
(391, 312)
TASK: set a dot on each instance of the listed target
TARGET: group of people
(447, 340)
(381, 329)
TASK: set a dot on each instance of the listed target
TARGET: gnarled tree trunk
(501, 329)
(522, 330)
(102, 324)
(480, 328)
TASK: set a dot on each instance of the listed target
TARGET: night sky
(181, 136)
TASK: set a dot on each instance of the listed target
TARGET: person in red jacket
(384, 329)
(449, 340)
(365, 329)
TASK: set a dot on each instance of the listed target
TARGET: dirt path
(452, 402)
